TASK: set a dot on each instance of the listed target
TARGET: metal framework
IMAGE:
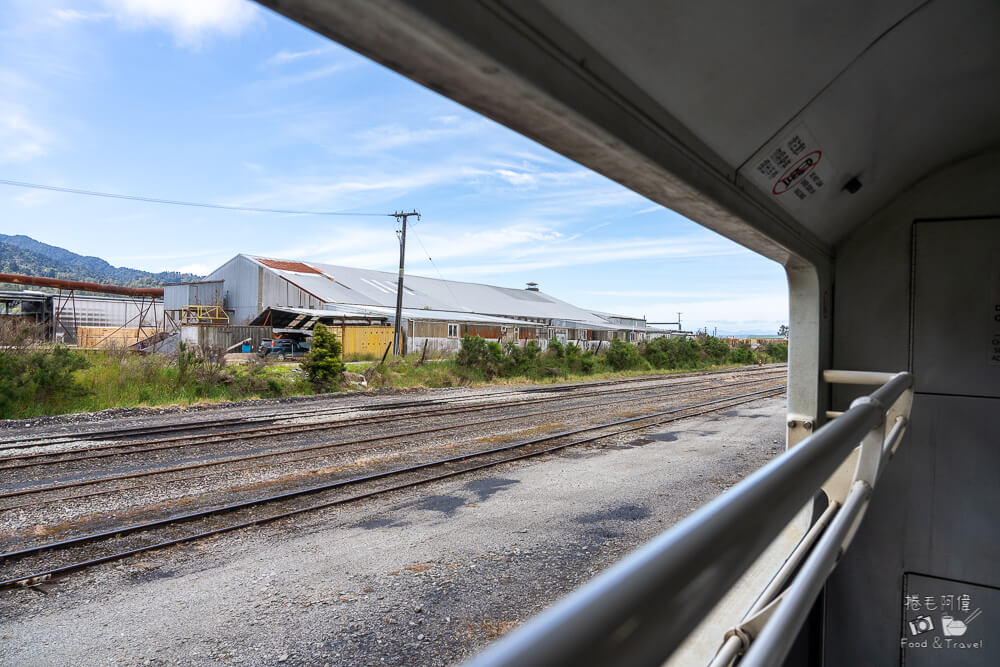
(41, 281)
(197, 314)
(143, 298)
(639, 611)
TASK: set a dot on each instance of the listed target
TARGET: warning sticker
(795, 170)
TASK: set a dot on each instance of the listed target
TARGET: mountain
(23, 254)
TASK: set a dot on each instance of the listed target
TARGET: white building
(253, 289)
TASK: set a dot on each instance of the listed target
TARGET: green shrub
(37, 375)
(715, 349)
(522, 360)
(555, 349)
(484, 356)
(624, 356)
(774, 352)
(186, 360)
(322, 364)
(742, 354)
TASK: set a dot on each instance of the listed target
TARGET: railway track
(35, 496)
(39, 563)
(299, 453)
(20, 461)
(283, 413)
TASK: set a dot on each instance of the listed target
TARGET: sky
(225, 102)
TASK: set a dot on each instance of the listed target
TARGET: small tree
(624, 356)
(322, 364)
(783, 331)
(742, 354)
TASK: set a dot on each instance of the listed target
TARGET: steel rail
(640, 610)
(296, 450)
(38, 441)
(79, 496)
(104, 451)
(58, 438)
(270, 416)
(38, 577)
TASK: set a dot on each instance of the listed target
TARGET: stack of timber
(111, 337)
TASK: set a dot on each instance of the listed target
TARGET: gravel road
(426, 576)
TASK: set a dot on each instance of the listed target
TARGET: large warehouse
(295, 295)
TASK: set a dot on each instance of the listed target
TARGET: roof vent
(532, 287)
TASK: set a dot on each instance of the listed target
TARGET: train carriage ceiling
(728, 112)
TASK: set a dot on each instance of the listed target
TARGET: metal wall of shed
(202, 293)
(72, 311)
(210, 337)
(250, 287)
(277, 291)
(175, 297)
(207, 293)
(240, 289)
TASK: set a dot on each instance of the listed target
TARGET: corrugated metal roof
(284, 265)
(379, 312)
(343, 285)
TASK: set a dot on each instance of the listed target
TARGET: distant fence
(216, 337)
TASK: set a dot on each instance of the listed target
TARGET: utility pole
(397, 334)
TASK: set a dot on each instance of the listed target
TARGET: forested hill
(23, 254)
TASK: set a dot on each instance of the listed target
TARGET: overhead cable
(446, 283)
(175, 202)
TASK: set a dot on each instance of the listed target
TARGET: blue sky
(222, 101)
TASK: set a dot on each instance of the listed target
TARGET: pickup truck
(282, 348)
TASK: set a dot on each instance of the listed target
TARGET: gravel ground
(21, 429)
(427, 576)
(38, 517)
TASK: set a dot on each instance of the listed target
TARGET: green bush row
(492, 360)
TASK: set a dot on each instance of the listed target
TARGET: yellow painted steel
(364, 340)
(195, 314)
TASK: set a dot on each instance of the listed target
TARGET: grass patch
(110, 379)
(40, 380)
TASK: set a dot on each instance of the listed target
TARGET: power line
(175, 202)
(453, 297)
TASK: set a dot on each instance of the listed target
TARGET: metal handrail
(641, 609)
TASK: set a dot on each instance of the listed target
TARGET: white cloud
(285, 57)
(197, 269)
(21, 138)
(385, 137)
(516, 178)
(528, 247)
(30, 198)
(77, 16)
(303, 77)
(337, 195)
(659, 294)
(189, 21)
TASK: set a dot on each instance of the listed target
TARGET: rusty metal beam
(39, 281)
